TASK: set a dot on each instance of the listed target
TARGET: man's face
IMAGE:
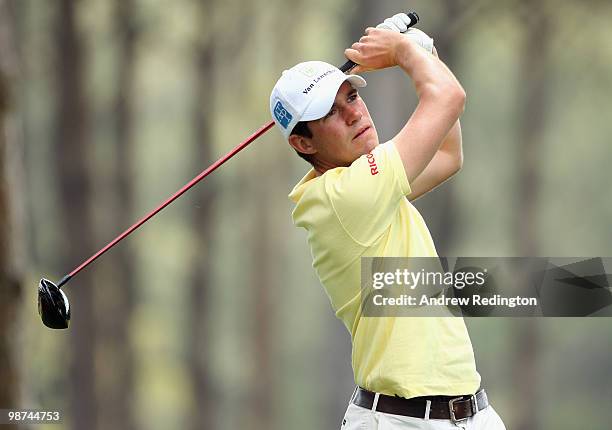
(345, 133)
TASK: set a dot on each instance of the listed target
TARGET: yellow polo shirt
(362, 211)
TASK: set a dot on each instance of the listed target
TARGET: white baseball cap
(307, 92)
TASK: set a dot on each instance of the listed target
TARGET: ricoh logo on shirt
(372, 163)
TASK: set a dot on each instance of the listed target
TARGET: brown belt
(441, 408)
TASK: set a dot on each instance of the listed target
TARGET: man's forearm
(433, 128)
(430, 74)
(453, 143)
(445, 163)
(431, 77)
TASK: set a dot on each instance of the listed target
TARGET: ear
(302, 144)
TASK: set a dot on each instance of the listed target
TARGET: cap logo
(317, 79)
(282, 115)
(309, 72)
(308, 88)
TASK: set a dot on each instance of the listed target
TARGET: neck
(321, 167)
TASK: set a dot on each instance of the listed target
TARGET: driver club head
(53, 305)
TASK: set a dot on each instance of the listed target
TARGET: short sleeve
(366, 196)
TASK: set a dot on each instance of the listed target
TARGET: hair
(301, 129)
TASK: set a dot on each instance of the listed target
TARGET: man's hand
(377, 49)
(400, 23)
(420, 38)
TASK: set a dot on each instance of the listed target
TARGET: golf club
(53, 305)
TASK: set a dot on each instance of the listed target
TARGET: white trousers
(358, 418)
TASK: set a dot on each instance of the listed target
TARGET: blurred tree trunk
(263, 281)
(533, 106)
(256, 186)
(199, 323)
(339, 370)
(116, 376)
(10, 231)
(71, 162)
(440, 207)
(262, 387)
(367, 14)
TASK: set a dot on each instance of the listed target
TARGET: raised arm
(444, 164)
(441, 97)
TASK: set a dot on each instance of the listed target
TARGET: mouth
(361, 131)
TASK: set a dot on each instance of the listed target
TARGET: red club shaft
(175, 196)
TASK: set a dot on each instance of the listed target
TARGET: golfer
(411, 373)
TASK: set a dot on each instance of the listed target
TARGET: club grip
(414, 19)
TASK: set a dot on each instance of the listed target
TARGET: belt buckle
(474, 402)
(451, 408)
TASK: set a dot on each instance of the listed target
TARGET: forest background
(211, 316)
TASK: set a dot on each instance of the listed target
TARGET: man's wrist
(405, 54)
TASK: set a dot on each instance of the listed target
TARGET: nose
(352, 115)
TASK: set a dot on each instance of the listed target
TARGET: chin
(370, 146)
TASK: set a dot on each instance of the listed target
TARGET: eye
(330, 113)
(353, 97)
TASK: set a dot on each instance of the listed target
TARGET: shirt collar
(296, 194)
